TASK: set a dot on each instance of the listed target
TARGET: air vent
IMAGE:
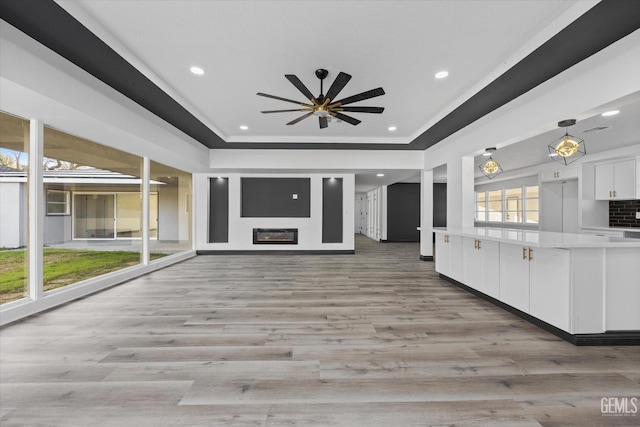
(596, 129)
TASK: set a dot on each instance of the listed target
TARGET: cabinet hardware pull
(478, 244)
(524, 253)
(530, 252)
(615, 194)
(610, 193)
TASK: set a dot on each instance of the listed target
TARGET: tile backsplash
(622, 213)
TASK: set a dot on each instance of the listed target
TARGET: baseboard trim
(283, 252)
(426, 257)
(610, 338)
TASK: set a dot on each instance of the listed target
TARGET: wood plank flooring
(372, 339)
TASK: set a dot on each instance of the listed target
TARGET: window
(515, 205)
(58, 202)
(481, 206)
(532, 204)
(494, 213)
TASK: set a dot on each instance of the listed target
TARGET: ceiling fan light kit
(323, 106)
(568, 148)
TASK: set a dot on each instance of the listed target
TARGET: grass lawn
(61, 267)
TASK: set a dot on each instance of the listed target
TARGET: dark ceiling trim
(49, 24)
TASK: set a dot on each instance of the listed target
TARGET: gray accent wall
(218, 210)
(332, 210)
(276, 197)
(403, 212)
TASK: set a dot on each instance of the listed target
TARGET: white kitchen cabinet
(549, 286)
(616, 181)
(481, 265)
(514, 276)
(537, 281)
(449, 256)
(559, 174)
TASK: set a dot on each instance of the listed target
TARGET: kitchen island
(583, 288)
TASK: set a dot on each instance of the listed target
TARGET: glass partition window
(14, 216)
(170, 209)
(515, 205)
(94, 206)
(494, 213)
(481, 206)
(532, 204)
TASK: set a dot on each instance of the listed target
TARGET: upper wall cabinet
(559, 174)
(616, 181)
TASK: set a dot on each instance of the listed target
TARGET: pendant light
(490, 168)
(568, 148)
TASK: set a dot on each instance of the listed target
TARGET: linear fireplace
(275, 236)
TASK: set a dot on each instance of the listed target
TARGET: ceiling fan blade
(360, 97)
(323, 122)
(346, 118)
(284, 111)
(300, 86)
(283, 99)
(338, 84)
(293, 122)
(375, 110)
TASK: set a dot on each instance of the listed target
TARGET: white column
(35, 209)
(426, 215)
(460, 191)
(383, 212)
(146, 191)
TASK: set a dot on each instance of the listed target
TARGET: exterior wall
(13, 221)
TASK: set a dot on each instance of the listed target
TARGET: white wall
(13, 214)
(241, 229)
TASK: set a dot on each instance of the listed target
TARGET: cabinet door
(456, 271)
(472, 264)
(514, 276)
(604, 182)
(550, 279)
(490, 263)
(442, 255)
(624, 180)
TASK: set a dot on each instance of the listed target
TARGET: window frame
(66, 203)
(523, 200)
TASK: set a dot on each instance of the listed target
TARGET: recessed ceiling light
(442, 74)
(610, 113)
(392, 128)
(379, 174)
(197, 71)
(244, 127)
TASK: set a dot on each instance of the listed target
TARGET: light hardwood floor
(372, 339)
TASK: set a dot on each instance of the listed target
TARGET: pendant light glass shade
(568, 148)
(490, 168)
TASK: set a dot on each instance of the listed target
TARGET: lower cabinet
(514, 276)
(550, 286)
(449, 256)
(481, 265)
(537, 281)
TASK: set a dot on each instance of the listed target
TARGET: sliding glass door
(94, 216)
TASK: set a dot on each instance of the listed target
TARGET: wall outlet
(638, 215)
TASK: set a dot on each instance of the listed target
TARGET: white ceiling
(247, 47)
(617, 131)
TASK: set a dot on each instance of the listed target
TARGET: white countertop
(542, 239)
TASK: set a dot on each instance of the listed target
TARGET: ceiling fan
(323, 106)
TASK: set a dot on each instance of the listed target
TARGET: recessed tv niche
(275, 197)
